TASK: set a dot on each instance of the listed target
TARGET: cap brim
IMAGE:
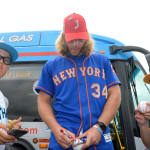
(74, 36)
(146, 79)
(11, 50)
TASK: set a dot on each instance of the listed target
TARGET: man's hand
(147, 113)
(4, 137)
(93, 137)
(64, 138)
(140, 117)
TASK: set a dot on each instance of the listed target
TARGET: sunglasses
(6, 60)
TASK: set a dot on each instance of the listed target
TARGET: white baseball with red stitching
(143, 107)
(77, 144)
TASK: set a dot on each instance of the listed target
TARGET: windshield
(142, 89)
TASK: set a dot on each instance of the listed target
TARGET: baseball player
(7, 56)
(85, 90)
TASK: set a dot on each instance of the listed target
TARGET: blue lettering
(2, 113)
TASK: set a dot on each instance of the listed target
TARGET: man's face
(75, 46)
(3, 66)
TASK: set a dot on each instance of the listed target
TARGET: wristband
(101, 132)
(101, 125)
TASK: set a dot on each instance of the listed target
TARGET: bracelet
(101, 132)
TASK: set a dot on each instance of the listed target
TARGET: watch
(101, 125)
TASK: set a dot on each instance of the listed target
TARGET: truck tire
(21, 144)
(15, 147)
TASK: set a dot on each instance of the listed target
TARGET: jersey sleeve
(45, 82)
(111, 77)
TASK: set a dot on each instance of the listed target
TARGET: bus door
(133, 90)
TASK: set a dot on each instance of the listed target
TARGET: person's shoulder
(1, 94)
(3, 100)
(99, 56)
(54, 60)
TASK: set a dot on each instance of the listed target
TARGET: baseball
(143, 107)
(77, 144)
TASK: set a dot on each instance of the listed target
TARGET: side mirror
(114, 49)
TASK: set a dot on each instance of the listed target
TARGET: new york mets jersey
(79, 86)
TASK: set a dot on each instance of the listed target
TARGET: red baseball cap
(75, 27)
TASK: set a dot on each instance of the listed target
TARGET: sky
(123, 20)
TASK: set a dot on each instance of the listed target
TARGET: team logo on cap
(77, 24)
(76, 21)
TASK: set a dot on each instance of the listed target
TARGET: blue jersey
(79, 86)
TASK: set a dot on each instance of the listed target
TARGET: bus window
(17, 86)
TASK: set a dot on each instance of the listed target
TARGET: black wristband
(101, 125)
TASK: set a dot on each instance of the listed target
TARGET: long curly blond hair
(61, 45)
